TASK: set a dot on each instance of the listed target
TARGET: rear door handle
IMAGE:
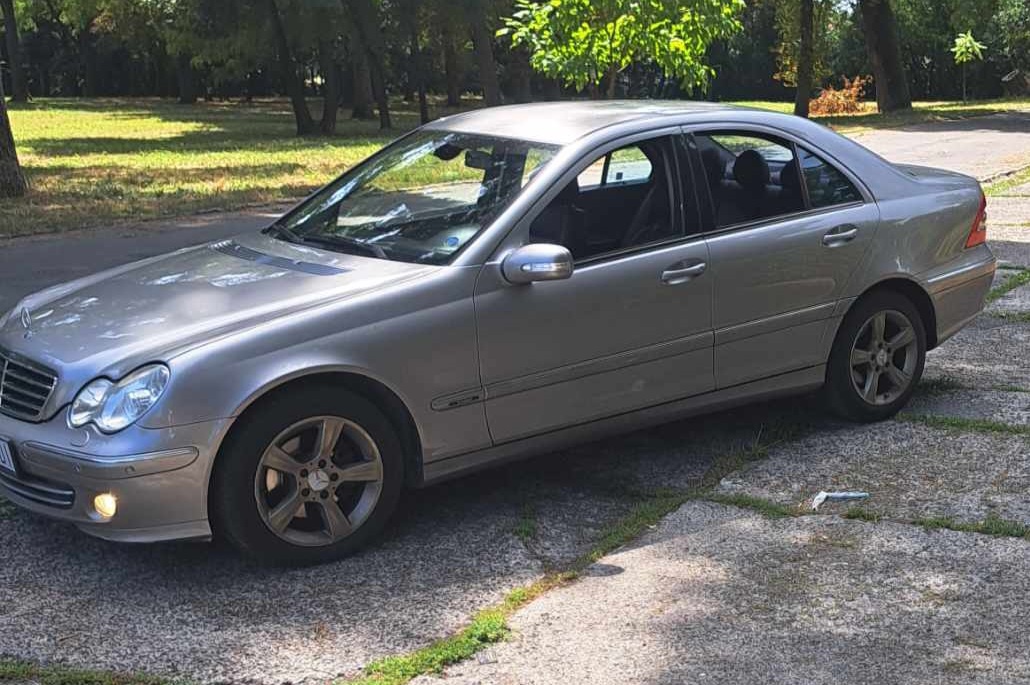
(840, 235)
(682, 274)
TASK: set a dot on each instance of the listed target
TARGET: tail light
(978, 234)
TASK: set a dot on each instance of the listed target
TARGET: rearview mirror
(537, 262)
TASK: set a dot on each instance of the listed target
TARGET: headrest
(751, 170)
(715, 168)
(569, 193)
(789, 179)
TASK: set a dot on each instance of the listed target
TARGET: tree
(966, 49)
(368, 33)
(482, 40)
(806, 59)
(12, 180)
(19, 84)
(882, 45)
(590, 42)
(292, 81)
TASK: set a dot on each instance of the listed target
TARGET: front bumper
(158, 476)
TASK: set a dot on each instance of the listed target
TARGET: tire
(318, 452)
(849, 391)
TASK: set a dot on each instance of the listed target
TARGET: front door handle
(840, 235)
(678, 274)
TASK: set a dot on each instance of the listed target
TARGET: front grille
(40, 491)
(25, 387)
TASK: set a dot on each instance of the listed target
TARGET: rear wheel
(308, 477)
(877, 358)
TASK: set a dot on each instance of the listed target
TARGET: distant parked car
(492, 285)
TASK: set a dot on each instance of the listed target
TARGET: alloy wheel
(884, 356)
(318, 481)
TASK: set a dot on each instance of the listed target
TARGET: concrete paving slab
(989, 353)
(1015, 301)
(1008, 210)
(721, 595)
(1003, 406)
(910, 470)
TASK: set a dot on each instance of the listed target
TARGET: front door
(631, 328)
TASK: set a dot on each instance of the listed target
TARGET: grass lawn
(95, 162)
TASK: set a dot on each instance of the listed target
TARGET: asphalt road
(715, 592)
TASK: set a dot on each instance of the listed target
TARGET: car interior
(760, 180)
(622, 200)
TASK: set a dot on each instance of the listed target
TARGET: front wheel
(877, 358)
(307, 477)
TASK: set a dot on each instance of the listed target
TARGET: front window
(421, 200)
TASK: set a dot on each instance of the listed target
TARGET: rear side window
(751, 176)
(825, 184)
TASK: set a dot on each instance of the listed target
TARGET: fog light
(106, 505)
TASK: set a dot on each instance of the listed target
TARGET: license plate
(7, 458)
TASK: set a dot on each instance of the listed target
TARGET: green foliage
(589, 42)
(967, 48)
(827, 23)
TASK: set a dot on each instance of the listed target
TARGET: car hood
(160, 307)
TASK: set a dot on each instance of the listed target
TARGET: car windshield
(420, 200)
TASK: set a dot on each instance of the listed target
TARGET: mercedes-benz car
(492, 285)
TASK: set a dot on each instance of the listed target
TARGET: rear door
(787, 228)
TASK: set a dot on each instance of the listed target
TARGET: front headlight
(114, 406)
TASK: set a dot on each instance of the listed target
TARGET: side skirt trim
(790, 383)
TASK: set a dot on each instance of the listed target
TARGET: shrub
(845, 100)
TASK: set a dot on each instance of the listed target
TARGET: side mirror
(537, 262)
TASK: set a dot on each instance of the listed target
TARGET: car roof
(561, 123)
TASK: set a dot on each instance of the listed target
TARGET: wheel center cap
(318, 480)
(882, 357)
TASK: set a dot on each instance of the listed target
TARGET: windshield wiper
(337, 241)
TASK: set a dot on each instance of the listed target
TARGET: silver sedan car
(492, 285)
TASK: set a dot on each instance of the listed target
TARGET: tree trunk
(186, 79)
(12, 180)
(331, 86)
(881, 36)
(805, 59)
(19, 83)
(89, 62)
(521, 74)
(291, 79)
(362, 86)
(370, 36)
(452, 70)
(610, 80)
(418, 75)
(483, 45)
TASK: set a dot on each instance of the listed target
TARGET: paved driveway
(717, 592)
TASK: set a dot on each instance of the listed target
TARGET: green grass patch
(1011, 282)
(1005, 184)
(862, 514)
(12, 670)
(965, 425)
(1015, 317)
(935, 387)
(526, 527)
(99, 161)
(992, 525)
(7, 510)
(767, 508)
(1009, 387)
